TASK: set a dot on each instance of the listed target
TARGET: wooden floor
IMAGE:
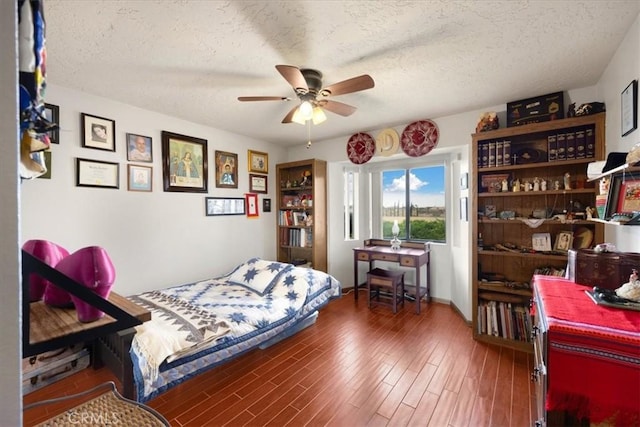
(354, 367)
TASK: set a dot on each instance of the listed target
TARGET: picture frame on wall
(629, 108)
(224, 206)
(140, 178)
(252, 204)
(98, 132)
(52, 113)
(184, 163)
(139, 148)
(226, 169)
(258, 183)
(97, 173)
(258, 161)
(266, 205)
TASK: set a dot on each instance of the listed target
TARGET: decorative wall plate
(419, 138)
(387, 142)
(360, 148)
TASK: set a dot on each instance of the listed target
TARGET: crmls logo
(93, 418)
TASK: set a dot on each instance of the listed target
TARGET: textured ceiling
(192, 59)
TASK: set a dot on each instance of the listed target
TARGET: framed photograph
(226, 169)
(628, 200)
(266, 205)
(98, 132)
(564, 241)
(257, 183)
(541, 242)
(184, 163)
(252, 204)
(492, 183)
(464, 211)
(464, 181)
(629, 110)
(224, 206)
(258, 162)
(96, 173)
(52, 113)
(140, 178)
(139, 148)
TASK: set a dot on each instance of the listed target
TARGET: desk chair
(391, 283)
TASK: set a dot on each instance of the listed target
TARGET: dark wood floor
(354, 367)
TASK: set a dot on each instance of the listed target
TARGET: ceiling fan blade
(288, 118)
(263, 98)
(337, 107)
(294, 76)
(351, 85)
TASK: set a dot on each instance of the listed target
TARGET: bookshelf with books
(301, 220)
(530, 208)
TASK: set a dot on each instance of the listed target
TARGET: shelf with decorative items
(301, 220)
(533, 203)
(618, 202)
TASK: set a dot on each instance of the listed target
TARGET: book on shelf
(590, 142)
(580, 144)
(506, 153)
(561, 152)
(499, 152)
(506, 320)
(571, 145)
(552, 148)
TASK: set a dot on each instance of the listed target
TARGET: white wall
(154, 239)
(11, 343)
(623, 68)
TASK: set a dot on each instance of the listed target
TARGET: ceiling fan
(307, 84)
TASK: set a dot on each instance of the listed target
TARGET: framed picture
(96, 173)
(224, 206)
(258, 162)
(266, 205)
(541, 242)
(564, 241)
(252, 204)
(226, 169)
(257, 183)
(52, 113)
(140, 178)
(139, 148)
(184, 163)
(629, 110)
(464, 211)
(628, 200)
(464, 181)
(98, 132)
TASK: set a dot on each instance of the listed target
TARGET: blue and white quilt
(197, 326)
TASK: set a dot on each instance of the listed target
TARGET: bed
(198, 326)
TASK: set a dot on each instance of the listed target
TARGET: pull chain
(308, 134)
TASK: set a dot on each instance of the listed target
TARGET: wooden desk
(409, 255)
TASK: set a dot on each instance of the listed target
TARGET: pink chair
(51, 254)
(91, 267)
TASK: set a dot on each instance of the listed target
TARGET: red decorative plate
(419, 138)
(360, 148)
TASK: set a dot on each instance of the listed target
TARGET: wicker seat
(386, 288)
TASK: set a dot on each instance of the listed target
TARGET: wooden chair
(391, 283)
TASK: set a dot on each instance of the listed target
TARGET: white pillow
(258, 275)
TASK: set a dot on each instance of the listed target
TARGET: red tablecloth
(593, 361)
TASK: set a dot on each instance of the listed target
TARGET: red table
(593, 359)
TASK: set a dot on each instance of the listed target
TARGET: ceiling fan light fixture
(318, 116)
(297, 117)
(306, 110)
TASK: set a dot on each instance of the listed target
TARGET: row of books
(571, 145)
(504, 319)
(494, 154)
(297, 237)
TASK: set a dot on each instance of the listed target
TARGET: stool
(391, 283)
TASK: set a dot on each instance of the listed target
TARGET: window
(416, 199)
(350, 205)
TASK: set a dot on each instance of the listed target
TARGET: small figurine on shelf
(536, 184)
(590, 211)
(556, 185)
(527, 186)
(516, 185)
(543, 185)
(306, 178)
(505, 186)
(303, 200)
(488, 121)
(567, 181)
(288, 184)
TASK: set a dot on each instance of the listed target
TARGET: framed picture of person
(564, 241)
(139, 148)
(226, 169)
(258, 162)
(98, 132)
(184, 163)
(140, 178)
